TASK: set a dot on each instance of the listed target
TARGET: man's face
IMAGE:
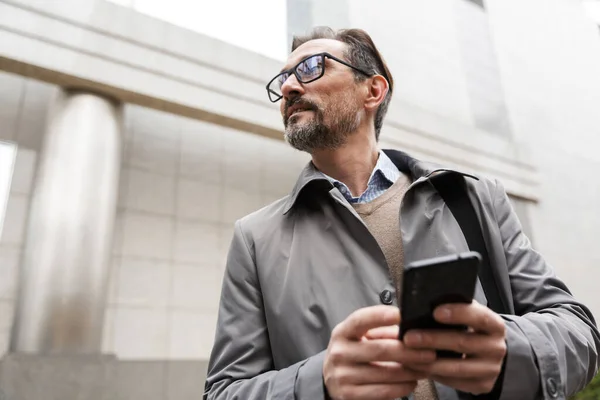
(323, 113)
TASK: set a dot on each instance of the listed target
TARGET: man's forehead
(315, 46)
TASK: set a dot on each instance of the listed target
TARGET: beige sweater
(382, 218)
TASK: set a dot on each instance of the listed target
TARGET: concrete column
(64, 272)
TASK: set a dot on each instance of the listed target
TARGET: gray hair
(363, 54)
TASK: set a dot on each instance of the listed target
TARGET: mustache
(299, 102)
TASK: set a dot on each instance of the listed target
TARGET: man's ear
(377, 90)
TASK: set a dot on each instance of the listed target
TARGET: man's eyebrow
(285, 68)
(304, 57)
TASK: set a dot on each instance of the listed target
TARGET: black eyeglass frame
(294, 71)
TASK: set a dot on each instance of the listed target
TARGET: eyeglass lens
(307, 70)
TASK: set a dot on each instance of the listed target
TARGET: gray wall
(183, 185)
(99, 378)
(549, 56)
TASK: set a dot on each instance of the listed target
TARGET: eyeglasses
(308, 70)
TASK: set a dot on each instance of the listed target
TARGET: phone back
(432, 282)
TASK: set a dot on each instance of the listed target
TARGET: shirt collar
(387, 168)
(311, 177)
(384, 166)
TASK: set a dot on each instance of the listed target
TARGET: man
(301, 315)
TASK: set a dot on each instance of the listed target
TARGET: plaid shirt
(383, 176)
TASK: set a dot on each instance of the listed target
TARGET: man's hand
(484, 347)
(362, 362)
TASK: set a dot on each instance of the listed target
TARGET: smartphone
(429, 283)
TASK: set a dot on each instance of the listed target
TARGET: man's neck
(351, 164)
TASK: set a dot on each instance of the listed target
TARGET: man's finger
(385, 350)
(384, 332)
(363, 374)
(360, 321)
(474, 315)
(461, 368)
(470, 343)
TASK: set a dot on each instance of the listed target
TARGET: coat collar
(310, 177)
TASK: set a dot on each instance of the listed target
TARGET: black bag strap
(453, 190)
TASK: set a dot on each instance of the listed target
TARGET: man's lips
(296, 108)
(300, 110)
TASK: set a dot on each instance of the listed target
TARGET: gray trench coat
(301, 265)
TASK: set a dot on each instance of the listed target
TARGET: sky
(6, 168)
(257, 25)
(592, 7)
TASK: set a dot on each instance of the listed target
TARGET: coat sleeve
(552, 339)
(241, 365)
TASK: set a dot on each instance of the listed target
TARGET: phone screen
(429, 283)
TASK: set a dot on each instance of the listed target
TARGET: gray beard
(315, 135)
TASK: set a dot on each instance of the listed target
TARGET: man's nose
(291, 87)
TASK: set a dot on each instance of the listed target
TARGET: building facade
(119, 127)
